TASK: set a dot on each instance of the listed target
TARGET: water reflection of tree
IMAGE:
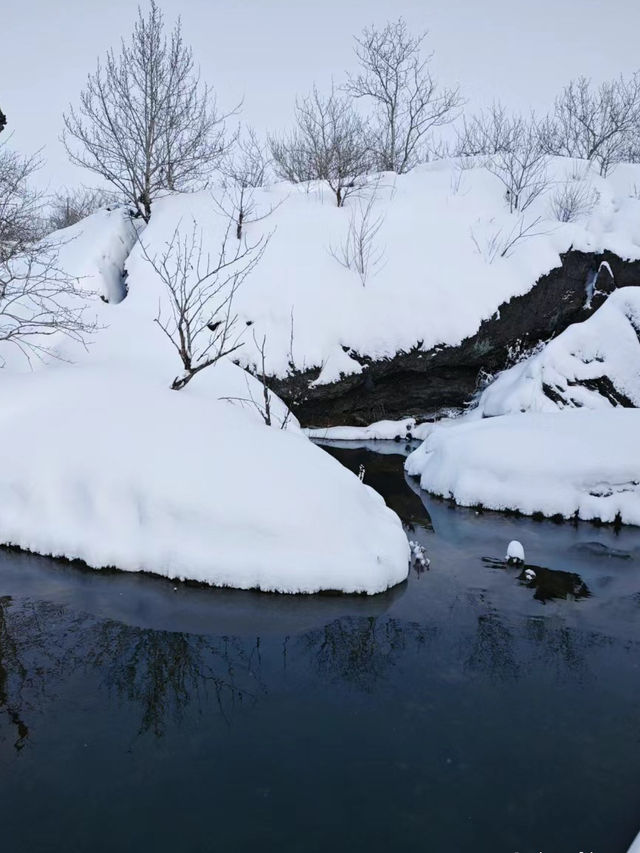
(160, 673)
(26, 657)
(13, 675)
(361, 651)
(492, 650)
(164, 673)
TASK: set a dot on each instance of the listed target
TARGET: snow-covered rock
(579, 463)
(594, 364)
(515, 552)
(103, 462)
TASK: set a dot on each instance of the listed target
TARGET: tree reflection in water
(361, 651)
(164, 672)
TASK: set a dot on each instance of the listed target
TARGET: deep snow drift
(594, 364)
(578, 463)
(104, 463)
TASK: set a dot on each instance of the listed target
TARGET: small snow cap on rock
(515, 552)
(529, 575)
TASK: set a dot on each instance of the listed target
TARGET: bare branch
(408, 103)
(145, 121)
(328, 144)
(197, 316)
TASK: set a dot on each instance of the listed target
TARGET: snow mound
(584, 464)
(119, 471)
(594, 364)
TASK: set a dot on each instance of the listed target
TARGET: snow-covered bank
(103, 462)
(441, 236)
(405, 429)
(579, 463)
(594, 364)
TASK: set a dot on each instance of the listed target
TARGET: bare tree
(408, 103)
(594, 123)
(509, 146)
(198, 316)
(145, 122)
(244, 170)
(70, 206)
(328, 144)
(360, 250)
(39, 302)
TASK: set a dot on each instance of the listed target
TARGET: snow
(438, 280)
(378, 431)
(579, 463)
(515, 552)
(605, 345)
(110, 466)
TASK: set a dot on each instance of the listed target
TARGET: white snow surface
(580, 462)
(437, 280)
(407, 428)
(103, 462)
(605, 345)
(515, 551)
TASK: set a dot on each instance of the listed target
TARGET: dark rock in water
(422, 383)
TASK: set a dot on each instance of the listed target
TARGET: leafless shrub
(408, 104)
(70, 206)
(21, 205)
(571, 200)
(360, 251)
(199, 319)
(263, 406)
(328, 144)
(598, 124)
(244, 171)
(39, 302)
(145, 122)
(509, 147)
(501, 244)
(491, 132)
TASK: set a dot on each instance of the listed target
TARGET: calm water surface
(463, 711)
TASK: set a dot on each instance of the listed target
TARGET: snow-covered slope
(579, 463)
(442, 232)
(102, 462)
(595, 364)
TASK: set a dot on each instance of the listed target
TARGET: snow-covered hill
(440, 272)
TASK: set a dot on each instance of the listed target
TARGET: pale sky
(268, 50)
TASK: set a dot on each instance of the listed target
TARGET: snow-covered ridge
(594, 364)
(439, 274)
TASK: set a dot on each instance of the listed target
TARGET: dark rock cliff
(421, 383)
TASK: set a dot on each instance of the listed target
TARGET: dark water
(464, 711)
